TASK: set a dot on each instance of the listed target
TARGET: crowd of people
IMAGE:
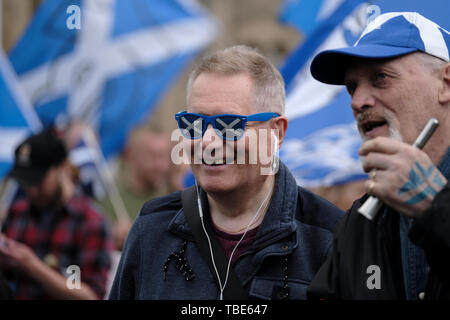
(54, 221)
(246, 230)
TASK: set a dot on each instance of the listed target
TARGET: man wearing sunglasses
(261, 235)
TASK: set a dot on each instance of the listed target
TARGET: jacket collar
(278, 222)
(444, 165)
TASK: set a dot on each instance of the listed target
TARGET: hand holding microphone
(372, 205)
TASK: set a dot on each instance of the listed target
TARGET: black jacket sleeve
(431, 231)
(325, 284)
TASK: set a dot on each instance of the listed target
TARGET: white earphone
(275, 157)
(274, 167)
(200, 210)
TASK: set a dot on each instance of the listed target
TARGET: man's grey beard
(394, 133)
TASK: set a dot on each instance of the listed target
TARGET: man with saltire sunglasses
(245, 230)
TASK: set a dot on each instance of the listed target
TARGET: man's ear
(281, 123)
(444, 91)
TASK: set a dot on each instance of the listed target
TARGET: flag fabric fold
(17, 117)
(112, 71)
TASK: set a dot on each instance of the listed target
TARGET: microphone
(372, 205)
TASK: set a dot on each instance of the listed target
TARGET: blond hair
(269, 93)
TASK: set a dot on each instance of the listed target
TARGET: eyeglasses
(227, 126)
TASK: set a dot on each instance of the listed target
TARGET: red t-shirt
(228, 241)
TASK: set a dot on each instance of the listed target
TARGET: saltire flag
(305, 15)
(17, 117)
(322, 141)
(95, 177)
(17, 121)
(86, 158)
(111, 71)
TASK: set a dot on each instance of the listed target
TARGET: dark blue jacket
(291, 244)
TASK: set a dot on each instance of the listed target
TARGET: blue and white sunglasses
(227, 126)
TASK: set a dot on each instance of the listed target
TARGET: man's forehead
(361, 65)
(212, 107)
(214, 110)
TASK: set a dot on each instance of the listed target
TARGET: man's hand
(402, 176)
(15, 255)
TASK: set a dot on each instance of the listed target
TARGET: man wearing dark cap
(54, 244)
(398, 77)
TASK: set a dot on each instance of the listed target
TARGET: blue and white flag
(322, 140)
(17, 117)
(305, 15)
(87, 159)
(111, 71)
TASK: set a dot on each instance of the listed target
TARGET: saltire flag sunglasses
(227, 126)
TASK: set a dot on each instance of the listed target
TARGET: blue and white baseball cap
(387, 36)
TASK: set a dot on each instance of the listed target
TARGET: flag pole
(115, 198)
(8, 191)
(9, 186)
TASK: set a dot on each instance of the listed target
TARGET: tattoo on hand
(417, 177)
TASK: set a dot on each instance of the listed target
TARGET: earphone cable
(246, 229)
(209, 241)
(222, 287)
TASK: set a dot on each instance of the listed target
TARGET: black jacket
(360, 243)
(5, 290)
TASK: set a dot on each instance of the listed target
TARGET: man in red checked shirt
(53, 244)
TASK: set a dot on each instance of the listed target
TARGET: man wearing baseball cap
(398, 77)
(53, 244)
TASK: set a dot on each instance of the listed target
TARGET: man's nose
(210, 138)
(362, 99)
